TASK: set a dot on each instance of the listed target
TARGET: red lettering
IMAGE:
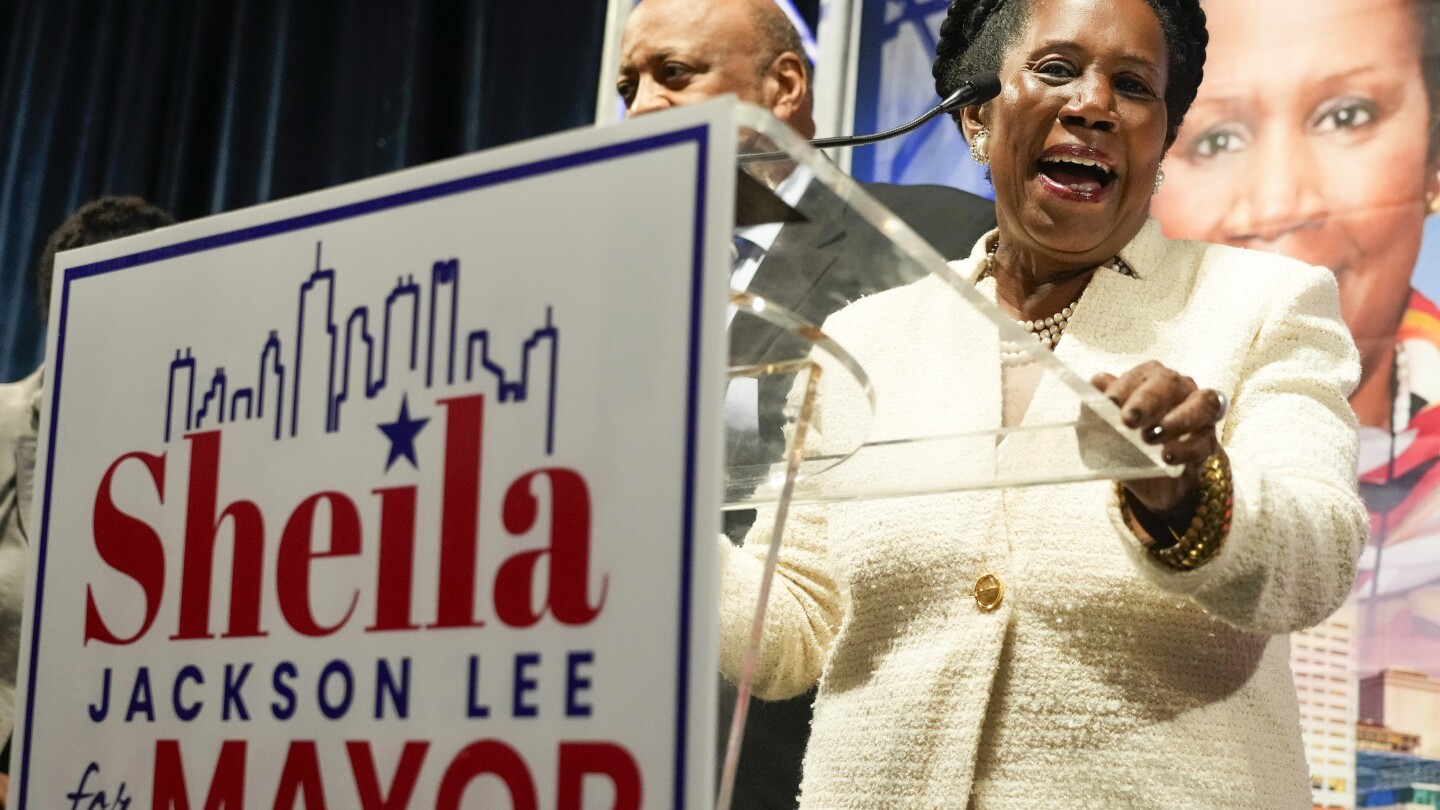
(367, 781)
(459, 529)
(301, 781)
(201, 527)
(487, 757)
(131, 547)
(610, 760)
(227, 785)
(301, 776)
(521, 598)
(397, 559)
(296, 556)
(569, 551)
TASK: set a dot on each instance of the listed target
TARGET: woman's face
(1308, 138)
(1078, 130)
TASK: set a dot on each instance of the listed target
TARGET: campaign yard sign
(400, 494)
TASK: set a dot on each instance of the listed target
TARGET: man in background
(97, 221)
(678, 52)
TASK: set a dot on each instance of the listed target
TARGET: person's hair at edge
(1429, 14)
(777, 35)
(977, 33)
(99, 220)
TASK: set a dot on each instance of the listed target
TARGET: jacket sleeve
(1298, 525)
(802, 613)
(804, 610)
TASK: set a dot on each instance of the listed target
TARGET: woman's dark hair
(1429, 11)
(99, 220)
(976, 34)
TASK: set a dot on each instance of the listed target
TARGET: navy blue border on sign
(699, 135)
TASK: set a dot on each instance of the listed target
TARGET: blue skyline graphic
(303, 383)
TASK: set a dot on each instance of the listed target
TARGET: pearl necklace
(1047, 330)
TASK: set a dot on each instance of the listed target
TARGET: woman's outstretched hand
(1169, 409)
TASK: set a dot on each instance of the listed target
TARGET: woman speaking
(1089, 644)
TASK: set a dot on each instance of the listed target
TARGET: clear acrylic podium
(807, 414)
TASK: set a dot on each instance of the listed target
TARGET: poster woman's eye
(1345, 113)
(1218, 140)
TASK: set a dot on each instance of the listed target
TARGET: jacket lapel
(1112, 330)
(1114, 322)
(788, 275)
(802, 255)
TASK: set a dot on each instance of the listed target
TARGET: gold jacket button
(989, 592)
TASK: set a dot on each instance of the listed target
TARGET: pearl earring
(1159, 178)
(980, 147)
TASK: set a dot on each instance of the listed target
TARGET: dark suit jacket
(812, 269)
(816, 267)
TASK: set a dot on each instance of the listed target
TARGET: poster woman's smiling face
(1310, 137)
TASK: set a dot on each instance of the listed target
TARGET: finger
(1153, 400)
(1121, 388)
(1192, 449)
(1103, 382)
(1200, 410)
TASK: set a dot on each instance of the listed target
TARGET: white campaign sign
(400, 494)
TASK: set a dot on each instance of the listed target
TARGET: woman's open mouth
(1075, 177)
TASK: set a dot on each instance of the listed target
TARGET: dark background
(205, 106)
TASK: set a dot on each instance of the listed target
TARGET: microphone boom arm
(862, 140)
(977, 89)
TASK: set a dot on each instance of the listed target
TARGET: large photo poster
(1314, 135)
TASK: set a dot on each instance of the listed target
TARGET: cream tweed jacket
(1102, 679)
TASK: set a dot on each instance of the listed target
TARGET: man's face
(677, 52)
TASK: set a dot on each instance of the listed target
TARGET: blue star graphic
(401, 434)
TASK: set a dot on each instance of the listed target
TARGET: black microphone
(977, 89)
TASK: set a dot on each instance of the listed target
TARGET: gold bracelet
(1209, 527)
